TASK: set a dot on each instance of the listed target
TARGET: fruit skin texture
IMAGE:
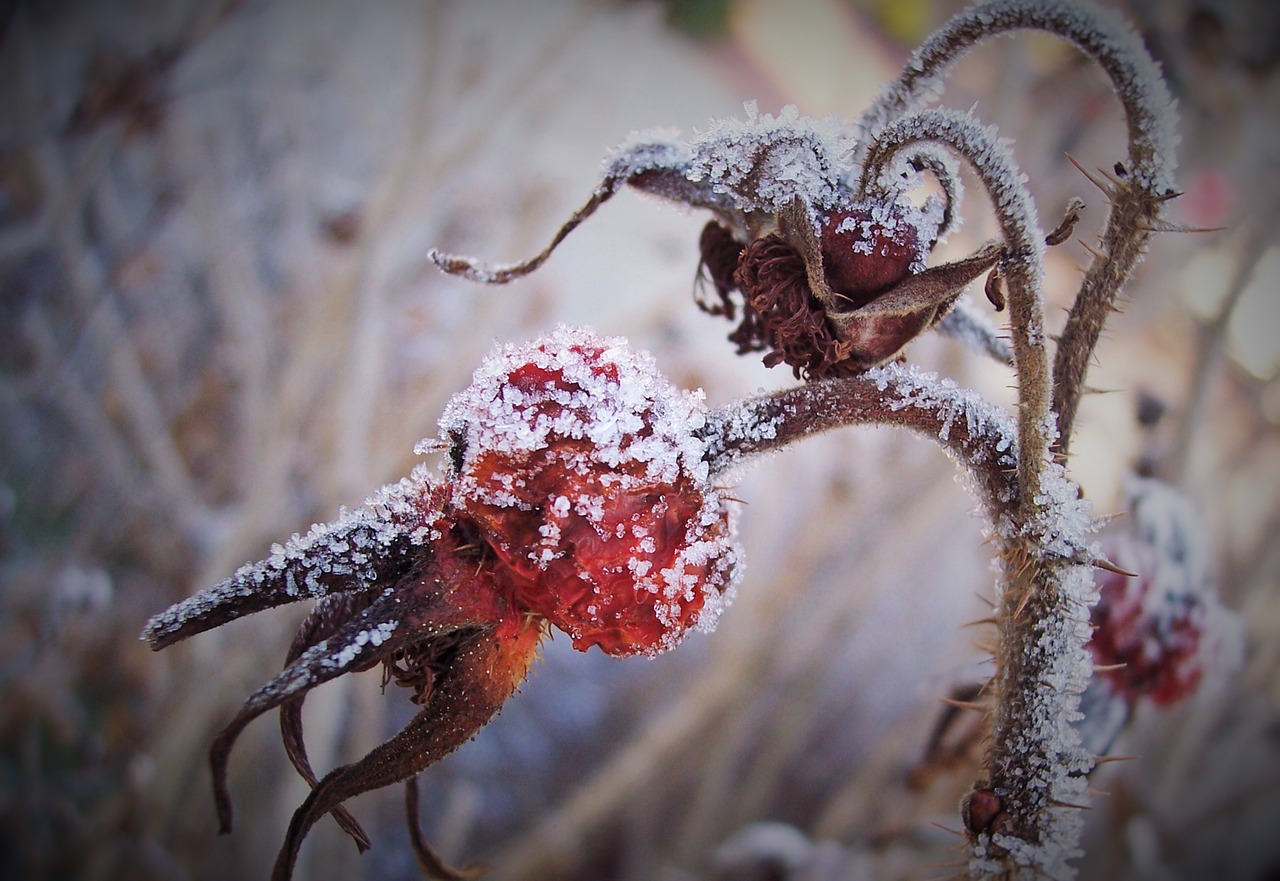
(864, 255)
(578, 466)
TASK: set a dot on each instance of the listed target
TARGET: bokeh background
(217, 324)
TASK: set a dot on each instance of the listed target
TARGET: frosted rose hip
(578, 463)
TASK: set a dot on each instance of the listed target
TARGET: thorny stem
(1022, 268)
(1101, 34)
(1134, 215)
(1035, 763)
(973, 431)
(1136, 199)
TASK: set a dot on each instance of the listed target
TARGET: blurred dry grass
(218, 326)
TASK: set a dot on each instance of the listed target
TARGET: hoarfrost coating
(585, 468)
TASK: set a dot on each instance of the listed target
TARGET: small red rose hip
(870, 248)
(578, 463)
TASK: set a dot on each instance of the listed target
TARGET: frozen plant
(581, 491)
(575, 492)
(815, 244)
(1161, 633)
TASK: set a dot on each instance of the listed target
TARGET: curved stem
(1099, 33)
(1035, 765)
(1023, 268)
(976, 433)
(1137, 199)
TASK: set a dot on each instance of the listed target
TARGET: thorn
(978, 622)
(1166, 226)
(1113, 179)
(1092, 179)
(964, 705)
(1090, 249)
(1104, 563)
(1022, 605)
(946, 828)
(1067, 804)
(1108, 668)
(1106, 760)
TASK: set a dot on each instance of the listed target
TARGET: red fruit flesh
(867, 250)
(581, 471)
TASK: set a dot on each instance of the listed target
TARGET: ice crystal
(584, 466)
(363, 549)
(765, 162)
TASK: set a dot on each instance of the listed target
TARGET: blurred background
(217, 324)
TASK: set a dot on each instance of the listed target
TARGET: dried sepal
(433, 609)
(368, 546)
(323, 622)
(483, 672)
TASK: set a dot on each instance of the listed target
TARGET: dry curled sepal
(429, 610)
(323, 622)
(363, 549)
(742, 171)
(782, 178)
(484, 670)
(880, 329)
(907, 175)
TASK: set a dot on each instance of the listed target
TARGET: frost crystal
(765, 162)
(363, 549)
(583, 466)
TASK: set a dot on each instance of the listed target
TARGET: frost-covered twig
(1036, 763)
(1138, 190)
(976, 433)
(1101, 34)
(1022, 266)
